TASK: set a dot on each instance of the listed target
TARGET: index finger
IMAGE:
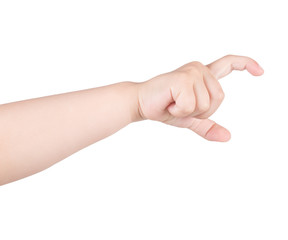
(225, 65)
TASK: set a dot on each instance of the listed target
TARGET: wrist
(135, 107)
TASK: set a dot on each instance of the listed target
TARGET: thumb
(210, 130)
(225, 65)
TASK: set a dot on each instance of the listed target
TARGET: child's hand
(187, 96)
(68, 122)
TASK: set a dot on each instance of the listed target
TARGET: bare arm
(36, 133)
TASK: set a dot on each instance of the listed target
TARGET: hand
(187, 96)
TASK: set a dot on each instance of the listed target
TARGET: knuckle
(187, 109)
(197, 64)
(203, 107)
(190, 108)
(195, 68)
(194, 73)
(191, 71)
(182, 112)
(220, 96)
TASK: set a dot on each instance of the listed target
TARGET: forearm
(36, 133)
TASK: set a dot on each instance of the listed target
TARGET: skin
(37, 133)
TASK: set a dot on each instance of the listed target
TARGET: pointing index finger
(225, 65)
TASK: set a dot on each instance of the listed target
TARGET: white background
(149, 180)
